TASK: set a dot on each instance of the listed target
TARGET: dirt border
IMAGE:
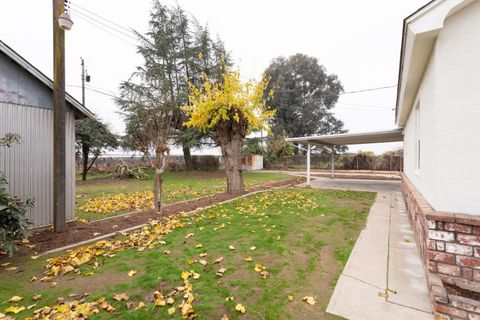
(78, 233)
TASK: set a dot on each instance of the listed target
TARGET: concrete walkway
(384, 277)
(357, 184)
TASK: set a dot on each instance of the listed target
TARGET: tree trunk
(85, 152)
(161, 166)
(156, 192)
(187, 157)
(231, 151)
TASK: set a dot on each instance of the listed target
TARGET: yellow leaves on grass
(131, 273)
(121, 297)
(262, 270)
(15, 299)
(240, 308)
(144, 238)
(142, 200)
(14, 309)
(119, 202)
(310, 300)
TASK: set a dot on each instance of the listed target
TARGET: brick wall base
(450, 247)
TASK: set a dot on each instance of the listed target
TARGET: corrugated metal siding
(29, 165)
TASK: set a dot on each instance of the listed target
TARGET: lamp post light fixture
(65, 22)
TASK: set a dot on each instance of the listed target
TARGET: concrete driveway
(384, 277)
(357, 184)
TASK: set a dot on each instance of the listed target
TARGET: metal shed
(26, 108)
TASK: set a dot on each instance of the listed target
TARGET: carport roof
(352, 138)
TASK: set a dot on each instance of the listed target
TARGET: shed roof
(352, 138)
(22, 62)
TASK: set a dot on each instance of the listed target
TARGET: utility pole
(83, 81)
(61, 22)
(59, 163)
(85, 77)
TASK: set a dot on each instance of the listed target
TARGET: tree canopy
(93, 137)
(304, 96)
(229, 110)
(178, 50)
(229, 102)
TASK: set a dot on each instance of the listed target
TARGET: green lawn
(302, 237)
(178, 186)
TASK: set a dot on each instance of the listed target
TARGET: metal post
(308, 165)
(333, 162)
(83, 82)
(59, 163)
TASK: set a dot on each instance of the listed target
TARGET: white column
(308, 165)
(333, 162)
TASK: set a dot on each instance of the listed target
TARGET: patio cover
(352, 138)
(346, 139)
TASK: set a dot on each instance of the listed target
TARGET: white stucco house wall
(438, 107)
(439, 104)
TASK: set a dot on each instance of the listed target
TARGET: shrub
(123, 171)
(206, 163)
(278, 150)
(13, 223)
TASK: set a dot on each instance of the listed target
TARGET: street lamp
(65, 22)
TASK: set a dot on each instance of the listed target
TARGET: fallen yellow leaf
(131, 273)
(13, 309)
(171, 310)
(121, 297)
(310, 300)
(240, 308)
(15, 299)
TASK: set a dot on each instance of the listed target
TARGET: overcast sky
(357, 40)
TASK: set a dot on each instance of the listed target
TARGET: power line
(363, 110)
(103, 18)
(365, 105)
(94, 90)
(104, 29)
(370, 89)
(129, 35)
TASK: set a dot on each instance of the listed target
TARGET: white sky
(357, 40)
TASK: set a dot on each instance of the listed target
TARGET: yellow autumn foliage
(119, 202)
(231, 100)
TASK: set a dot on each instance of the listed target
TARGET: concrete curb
(119, 232)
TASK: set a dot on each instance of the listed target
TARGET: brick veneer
(450, 247)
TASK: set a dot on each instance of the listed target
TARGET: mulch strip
(45, 240)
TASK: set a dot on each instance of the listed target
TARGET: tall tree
(229, 110)
(304, 96)
(178, 50)
(92, 137)
(148, 115)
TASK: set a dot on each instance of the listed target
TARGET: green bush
(13, 223)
